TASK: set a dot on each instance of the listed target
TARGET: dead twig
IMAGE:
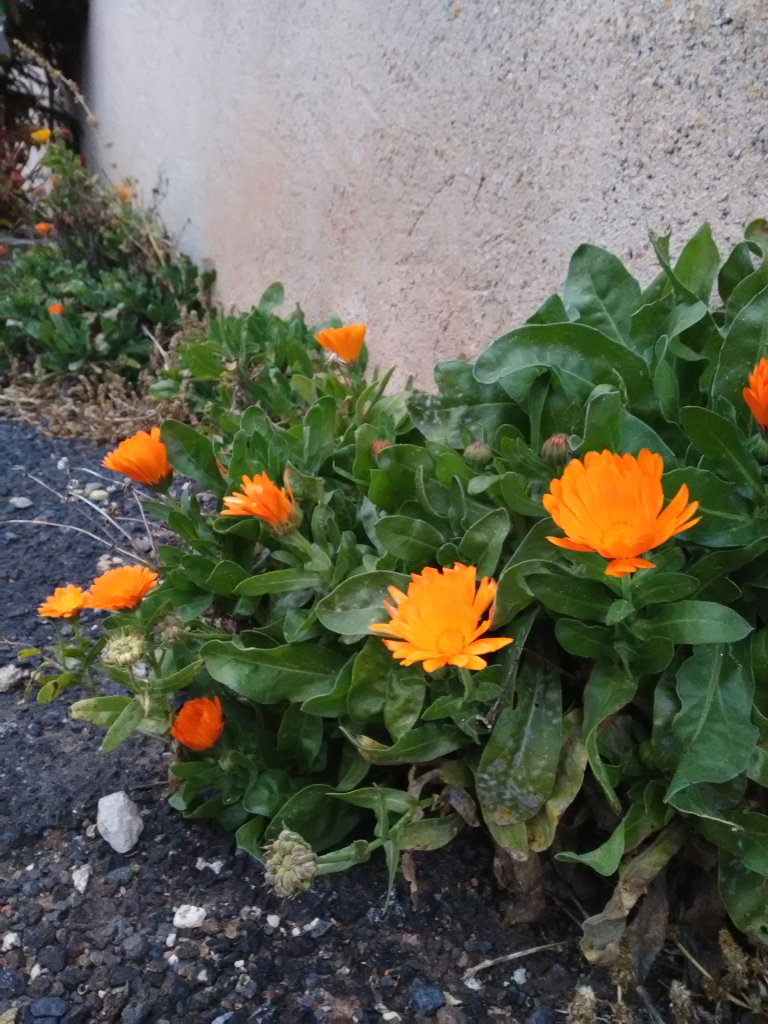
(77, 529)
(472, 971)
(728, 995)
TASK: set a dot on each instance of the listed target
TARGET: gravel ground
(112, 954)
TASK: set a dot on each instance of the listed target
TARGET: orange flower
(3, 251)
(611, 504)
(55, 308)
(63, 603)
(43, 227)
(438, 620)
(123, 193)
(41, 136)
(265, 500)
(199, 723)
(345, 342)
(120, 589)
(756, 395)
(141, 457)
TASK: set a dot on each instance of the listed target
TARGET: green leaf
(300, 737)
(609, 688)
(225, 577)
(293, 672)
(381, 686)
(726, 519)
(358, 602)
(745, 836)
(267, 794)
(413, 540)
(280, 581)
(653, 587)
(573, 596)
(178, 680)
(372, 797)
(743, 346)
(272, 297)
(403, 704)
(129, 719)
(698, 264)
(248, 837)
(603, 291)
(191, 454)
(319, 434)
(319, 819)
(694, 622)
(482, 543)
(429, 833)
(569, 777)
(745, 895)
(602, 426)
(582, 640)
(424, 743)
(102, 711)
(717, 564)
(517, 768)
(584, 354)
(719, 441)
(713, 728)
(333, 704)
(516, 497)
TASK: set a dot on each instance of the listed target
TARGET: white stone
(11, 940)
(99, 495)
(62, 463)
(170, 939)
(119, 822)
(295, 932)
(188, 916)
(10, 677)
(273, 920)
(20, 502)
(520, 976)
(36, 971)
(215, 865)
(81, 877)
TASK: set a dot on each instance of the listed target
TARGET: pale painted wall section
(428, 166)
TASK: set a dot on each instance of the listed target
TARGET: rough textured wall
(428, 167)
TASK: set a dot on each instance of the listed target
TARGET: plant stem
(468, 682)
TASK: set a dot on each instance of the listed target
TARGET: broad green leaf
(279, 581)
(300, 737)
(582, 640)
(248, 837)
(267, 794)
(413, 540)
(739, 265)
(694, 622)
(429, 833)
(602, 426)
(334, 703)
(651, 588)
(568, 781)
(718, 564)
(225, 577)
(358, 602)
(745, 895)
(482, 543)
(178, 680)
(608, 689)
(272, 297)
(424, 743)
(573, 596)
(293, 672)
(371, 797)
(742, 348)
(382, 687)
(727, 520)
(129, 719)
(516, 497)
(102, 711)
(746, 837)
(603, 291)
(404, 701)
(698, 264)
(586, 355)
(191, 454)
(319, 819)
(720, 443)
(319, 434)
(517, 768)
(713, 729)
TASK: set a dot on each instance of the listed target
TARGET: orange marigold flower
(123, 193)
(756, 395)
(55, 308)
(438, 620)
(611, 504)
(199, 723)
(3, 251)
(262, 498)
(141, 457)
(41, 136)
(120, 589)
(63, 603)
(44, 227)
(345, 342)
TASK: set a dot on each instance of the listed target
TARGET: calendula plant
(429, 611)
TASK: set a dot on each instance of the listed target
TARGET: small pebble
(98, 495)
(20, 502)
(273, 920)
(188, 916)
(10, 941)
(81, 877)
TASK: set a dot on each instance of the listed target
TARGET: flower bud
(169, 631)
(290, 864)
(379, 446)
(557, 450)
(477, 454)
(290, 524)
(124, 650)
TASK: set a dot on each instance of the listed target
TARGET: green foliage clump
(649, 693)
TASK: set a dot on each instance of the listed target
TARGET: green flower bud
(169, 631)
(557, 450)
(124, 650)
(290, 864)
(477, 454)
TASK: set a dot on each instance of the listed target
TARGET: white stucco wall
(426, 165)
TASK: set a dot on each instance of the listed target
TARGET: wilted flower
(44, 227)
(199, 723)
(262, 498)
(477, 454)
(63, 603)
(611, 504)
(55, 309)
(290, 864)
(124, 650)
(120, 589)
(345, 342)
(438, 620)
(41, 136)
(756, 395)
(169, 631)
(557, 450)
(142, 457)
(379, 446)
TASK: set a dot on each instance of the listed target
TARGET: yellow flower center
(450, 641)
(620, 533)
